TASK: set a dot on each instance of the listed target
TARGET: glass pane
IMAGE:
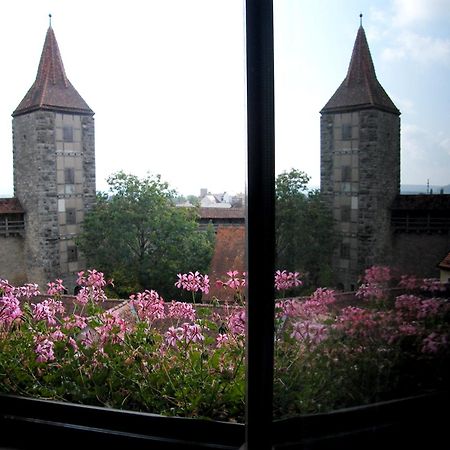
(131, 218)
(368, 319)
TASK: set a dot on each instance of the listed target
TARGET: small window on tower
(69, 175)
(72, 254)
(346, 173)
(71, 216)
(67, 133)
(345, 251)
(346, 132)
(345, 214)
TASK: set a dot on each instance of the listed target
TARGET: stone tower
(54, 168)
(360, 166)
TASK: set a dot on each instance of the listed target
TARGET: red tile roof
(52, 90)
(222, 213)
(360, 89)
(229, 254)
(10, 206)
(445, 263)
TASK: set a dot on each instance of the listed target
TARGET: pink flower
(112, 329)
(28, 290)
(171, 336)
(324, 296)
(432, 285)
(92, 286)
(149, 305)
(74, 321)
(434, 342)
(236, 322)
(44, 349)
(9, 309)
(221, 340)
(181, 310)
(47, 310)
(409, 282)
(311, 332)
(193, 282)
(286, 280)
(56, 288)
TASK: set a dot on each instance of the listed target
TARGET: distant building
(54, 177)
(222, 200)
(224, 217)
(360, 181)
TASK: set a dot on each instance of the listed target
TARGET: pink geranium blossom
(9, 309)
(44, 349)
(47, 310)
(149, 306)
(193, 282)
(286, 280)
(181, 310)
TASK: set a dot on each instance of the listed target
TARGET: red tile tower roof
(445, 263)
(360, 89)
(52, 90)
(10, 206)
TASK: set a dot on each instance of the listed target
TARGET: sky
(166, 79)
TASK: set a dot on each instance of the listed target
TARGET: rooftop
(361, 88)
(52, 89)
(10, 206)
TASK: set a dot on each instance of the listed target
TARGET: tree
(138, 237)
(304, 228)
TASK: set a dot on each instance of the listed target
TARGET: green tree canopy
(137, 236)
(304, 228)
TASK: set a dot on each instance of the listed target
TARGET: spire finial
(360, 19)
(50, 20)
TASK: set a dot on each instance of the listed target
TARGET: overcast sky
(166, 79)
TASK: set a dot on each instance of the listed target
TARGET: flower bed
(177, 359)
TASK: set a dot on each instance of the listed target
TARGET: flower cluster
(181, 311)
(149, 306)
(185, 334)
(44, 349)
(234, 281)
(9, 310)
(91, 287)
(286, 280)
(56, 287)
(193, 282)
(374, 283)
(47, 310)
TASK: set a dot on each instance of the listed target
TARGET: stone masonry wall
(34, 158)
(379, 184)
(372, 152)
(88, 142)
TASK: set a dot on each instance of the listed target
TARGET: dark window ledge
(414, 421)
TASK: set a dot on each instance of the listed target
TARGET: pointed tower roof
(52, 90)
(360, 89)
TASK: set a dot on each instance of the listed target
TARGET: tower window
(67, 133)
(71, 216)
(72, 254)
(345, 214)
(345, 251)
(346, 173)
(69, 175)
(346, 132)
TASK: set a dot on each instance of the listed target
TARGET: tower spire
(360, 19)
(52, 89)
(360, 88)
(49, 20)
